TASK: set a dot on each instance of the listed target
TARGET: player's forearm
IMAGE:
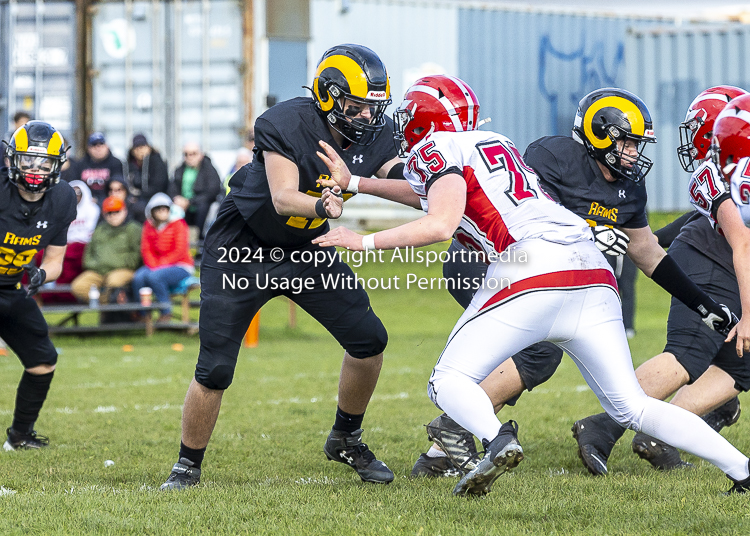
(427, 230)
(52, 269)
(645, 253)
(53, 261)
(741, 259)
(294, 203)
(390, 189)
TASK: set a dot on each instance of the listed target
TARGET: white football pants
(577, 308)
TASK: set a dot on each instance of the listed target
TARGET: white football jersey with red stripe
(740, 188)
(504, 202)
(706, 188)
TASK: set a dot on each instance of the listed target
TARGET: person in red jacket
(165, 251)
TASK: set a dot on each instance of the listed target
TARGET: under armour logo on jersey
(622, 194)
(41, 225)
(357, 159)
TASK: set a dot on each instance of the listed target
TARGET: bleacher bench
(71, 322)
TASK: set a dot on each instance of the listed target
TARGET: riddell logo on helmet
(379, 95)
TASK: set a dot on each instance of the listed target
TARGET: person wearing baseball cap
(113, 255)
(97, 167)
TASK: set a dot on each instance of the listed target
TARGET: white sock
(467, 404)
(687, 431)
(435, 452)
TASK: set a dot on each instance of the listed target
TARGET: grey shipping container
(37, 62)
(169, 70)
(530, 69)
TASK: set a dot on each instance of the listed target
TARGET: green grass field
(265, 472)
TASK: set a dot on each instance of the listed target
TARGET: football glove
(36, 278)
(610, 241)
(718, 317)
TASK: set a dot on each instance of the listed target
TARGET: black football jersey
(572, 178)
(700, 233)
(292, 129)
(26, 228)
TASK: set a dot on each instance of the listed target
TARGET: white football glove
(610, 241)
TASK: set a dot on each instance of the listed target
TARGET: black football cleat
(457, 442)
(659, 454)
(739, 486)
(20, 441)
(183, 476)
(590, 451)
(348, 448)
(725, 415)
(437, 467)
(500, 456)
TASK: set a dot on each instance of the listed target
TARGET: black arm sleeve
(396, 172)
(669, 232)
(669, 276)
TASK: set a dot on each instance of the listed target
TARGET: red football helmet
(434, 104)
(696, 130)
(731, 140)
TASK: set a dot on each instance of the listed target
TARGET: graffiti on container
(565, 77)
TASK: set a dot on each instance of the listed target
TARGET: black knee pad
(42, 354)
(367, 338)
(218, 378)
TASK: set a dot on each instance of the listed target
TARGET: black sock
(194, 455)
(30, 397)
(346, 422)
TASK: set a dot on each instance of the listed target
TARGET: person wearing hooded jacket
(165, 250)
(79, 235)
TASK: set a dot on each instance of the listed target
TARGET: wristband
(320, 210)
(353, 187)
(368, 242)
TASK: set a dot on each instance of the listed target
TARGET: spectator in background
(20, 118)
(119, 189)
(244, 157)
(79, 235)
(195, 186)
(166, 253)
(112, 256)
(68, 169)
(98, 167)
(146, 175)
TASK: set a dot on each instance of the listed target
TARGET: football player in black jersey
(712, 246)
(35, 212)
(598, 174)
(276, 206)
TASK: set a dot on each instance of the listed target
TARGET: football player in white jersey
(712, 248)
(562, 291)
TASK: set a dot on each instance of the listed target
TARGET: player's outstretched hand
(342, 237)
(36, 278)
(741, 330)
(333, 202)
(340, 174)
